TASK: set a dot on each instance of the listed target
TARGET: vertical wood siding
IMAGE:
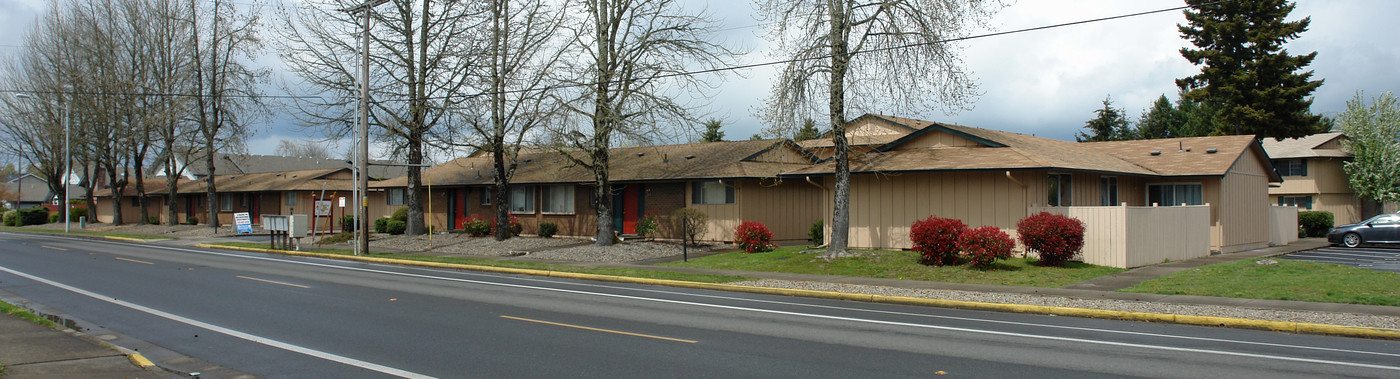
(1243, 206)
(1130, 236)
(884, 207)
(935, 139)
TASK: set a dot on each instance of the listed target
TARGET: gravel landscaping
(552, 249)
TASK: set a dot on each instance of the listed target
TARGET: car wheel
(1351, 240)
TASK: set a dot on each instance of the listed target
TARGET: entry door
(627, 208)
(255, 208)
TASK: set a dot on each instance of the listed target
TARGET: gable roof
(713, 160)
(1311, 146)
(235, 164)
(894, 127)
(297, 180)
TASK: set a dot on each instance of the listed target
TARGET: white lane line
(339, 264)
(227, 331)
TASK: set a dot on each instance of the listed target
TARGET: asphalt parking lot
(1371, 257)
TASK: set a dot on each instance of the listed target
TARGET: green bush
(34, 216)
(77, 202)
(1315, 223)
(192, 220)
(476, 226)
(547, 229)
(401, 214)
(11, 218)
(694, 221)
(347, 223)
(153, 221)
(53, 217)
(395, 226)
(381, 225)
(646, 227)
(76, 213)
(817, 233)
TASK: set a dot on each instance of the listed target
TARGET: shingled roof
(1306, 147)
(299, 180)
(713, 160)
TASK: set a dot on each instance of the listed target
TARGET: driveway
(1372, 257)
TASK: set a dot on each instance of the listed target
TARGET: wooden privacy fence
(1283, 225)
(1124, 236)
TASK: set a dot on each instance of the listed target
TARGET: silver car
(1380, 229)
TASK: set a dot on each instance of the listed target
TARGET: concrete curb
(140, 360)
(1283, 326)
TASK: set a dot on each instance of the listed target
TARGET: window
(1291, 167)
(1061, 190)
(1108, 190)
(243, 200)
(522, 199)
(1386, 220)
(711, 193)
(485, 196)
(1174, 194)
(557, 198)
(395, 196)
(289, 198)
(225, 202)
(1304, 202)
(135, 201)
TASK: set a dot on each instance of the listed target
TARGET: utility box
(297, 226)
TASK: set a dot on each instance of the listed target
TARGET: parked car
(1380, 229)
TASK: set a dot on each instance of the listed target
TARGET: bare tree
(304, 149)
(864, 55)
(227, 95)
(171, 66)
(519, 51)
(631, 81)
(422, 59)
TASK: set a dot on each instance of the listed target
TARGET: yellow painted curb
(139, 360)
(125, 239)
(1284, 326)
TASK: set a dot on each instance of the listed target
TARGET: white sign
(342, 201)
(242, 223)
(323, 207)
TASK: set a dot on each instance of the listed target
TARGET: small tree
(808, 131)
(691, 222)
(936, 239)
(1373, 134)
(712, 132)
(1109, 124)
(1055, 238)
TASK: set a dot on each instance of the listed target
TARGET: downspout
(824, 189)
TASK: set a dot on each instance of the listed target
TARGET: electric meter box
(297, 225)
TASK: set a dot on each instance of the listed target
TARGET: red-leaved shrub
(476, 226)
(985, 245)
(515, 227)
(1055, 238)
(753, 236)
(936, 239)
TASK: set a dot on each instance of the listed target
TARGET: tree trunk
(501, 189)
(415, 185)
(840, 61)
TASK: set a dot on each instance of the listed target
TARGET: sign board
(342, 201)
(323, 207)
(242, 223)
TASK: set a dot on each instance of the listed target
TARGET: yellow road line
(272, 281)
(55, 248)
(133, 260)
(599, 330)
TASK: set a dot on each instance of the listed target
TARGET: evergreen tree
(712, 133)
(1196, 119)
(1254, 83)
(808, 131)
(1160, 121)
(1110, 125)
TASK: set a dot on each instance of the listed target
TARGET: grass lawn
(901, 265)
(1287, 280)
(635, 273)
(55, 231)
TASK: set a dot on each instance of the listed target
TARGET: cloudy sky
(1045, 82)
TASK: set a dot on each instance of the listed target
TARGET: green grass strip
(53, 231)
(615, 271)
(900, 265)
(12, 310)
(1284, 280)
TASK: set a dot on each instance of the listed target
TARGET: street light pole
(362, 161)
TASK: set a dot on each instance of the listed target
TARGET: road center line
(226, 331)
(271, 281)
(597, 329)
(133, 260)
(343, 267)
(55, 248)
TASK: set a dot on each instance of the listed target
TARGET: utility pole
(362, 160)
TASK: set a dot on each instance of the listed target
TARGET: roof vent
(1156, 152)
(690, 156)
(1211, 150)
(527, 160)
(641, 154)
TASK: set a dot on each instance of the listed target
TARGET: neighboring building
(237, 164)
(286, 192)
(33, 191)
(1313, 178)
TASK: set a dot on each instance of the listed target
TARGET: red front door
(460, 207)
(629, 209)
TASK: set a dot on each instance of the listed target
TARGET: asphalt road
(1380, 258)
(275, 316)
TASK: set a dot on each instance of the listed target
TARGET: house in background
(988, 177)
(730, 181)
(1311, 168)
(32, 191)
(284, 192)
(235, 164)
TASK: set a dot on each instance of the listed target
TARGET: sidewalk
(30, 350)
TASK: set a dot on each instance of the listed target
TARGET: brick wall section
(662, 199)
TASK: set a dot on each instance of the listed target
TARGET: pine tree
(1160, 121)
(808, 131)
(1110, 125)
(712, 133)
(1246, 74)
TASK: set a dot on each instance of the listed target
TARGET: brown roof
(1305, 147)
(713, 160)
(1189, 156)
(299, 180)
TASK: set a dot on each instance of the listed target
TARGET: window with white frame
(485, 195)
(522, 199)
(711, 192)
(1174, 194)
(1061, 190)
(1108, 190)
(225, 202)
(557, 198)
(289, 198)
(395, 196)
(1304, 202)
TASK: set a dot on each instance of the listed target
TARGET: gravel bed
(555, 249)
(1331, 318)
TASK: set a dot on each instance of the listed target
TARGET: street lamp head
(23, 96)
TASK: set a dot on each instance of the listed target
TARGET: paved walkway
(30, 350)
